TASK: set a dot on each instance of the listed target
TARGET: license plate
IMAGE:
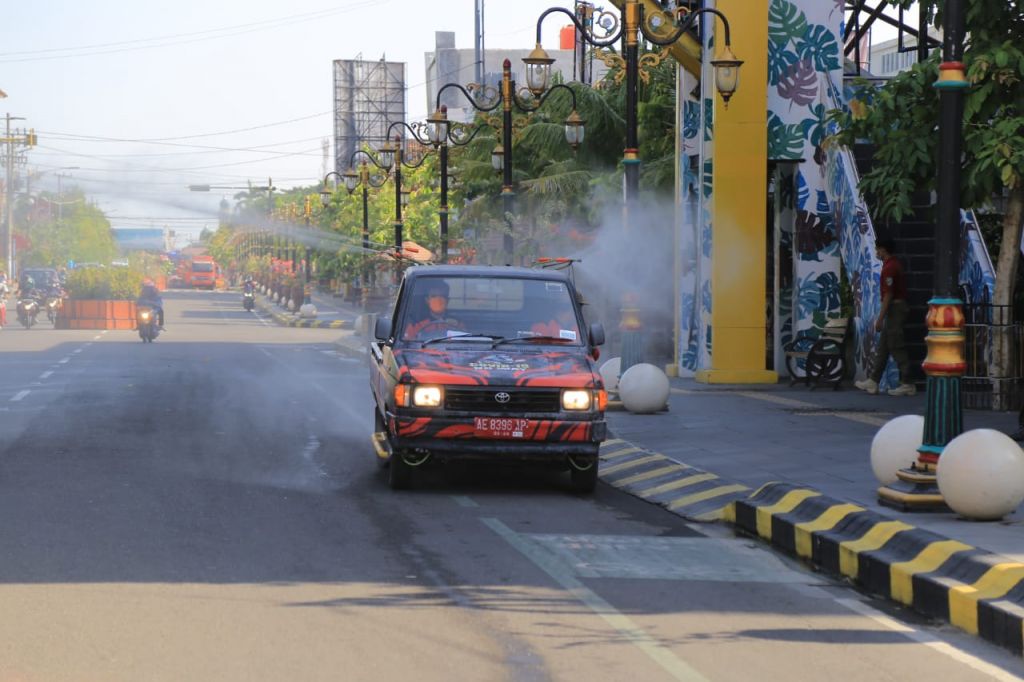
(501, 427)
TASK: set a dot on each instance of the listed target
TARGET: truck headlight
(576, 399)
(427, 396)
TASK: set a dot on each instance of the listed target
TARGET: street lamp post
(634, 24)
(353, 180)
(501, 158)
(916, 487)
(441, 134)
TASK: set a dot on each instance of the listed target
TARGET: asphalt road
(207, 507)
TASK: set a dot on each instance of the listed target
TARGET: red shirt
(893, 279)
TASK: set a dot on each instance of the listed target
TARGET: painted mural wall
(827, 235)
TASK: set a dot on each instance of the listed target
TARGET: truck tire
(400, 474)
(583, 481)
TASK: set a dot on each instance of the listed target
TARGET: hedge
(105, 284)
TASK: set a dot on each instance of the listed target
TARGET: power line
(168, 41)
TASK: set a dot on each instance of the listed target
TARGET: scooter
(53, 304)
(146, 319)
(249, 300)
(28, 309)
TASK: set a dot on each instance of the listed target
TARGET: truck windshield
(496, 307)
(202, 267)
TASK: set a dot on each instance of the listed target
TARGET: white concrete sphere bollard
(981, 474)
(895, 446)
(307, 311)
(610, 374)
(644, 389)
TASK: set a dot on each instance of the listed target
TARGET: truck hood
(487, 367)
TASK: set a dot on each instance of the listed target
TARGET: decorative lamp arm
(587, 34)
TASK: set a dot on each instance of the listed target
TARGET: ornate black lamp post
(501, 158)
(917, 488)
(441, 133)
(353, 180)
(634, 23)
(392, 157)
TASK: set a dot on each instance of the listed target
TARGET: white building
(448, 64)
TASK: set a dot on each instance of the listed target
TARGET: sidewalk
(819, 439)
(792, 467)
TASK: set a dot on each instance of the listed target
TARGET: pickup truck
(493, 363)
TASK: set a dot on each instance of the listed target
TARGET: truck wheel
(400, 474)
(584, 480)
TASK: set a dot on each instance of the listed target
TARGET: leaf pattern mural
(800, 84)
(814, 236)
(820, 47)
(784, 141)
(779, 61)
(786, 22)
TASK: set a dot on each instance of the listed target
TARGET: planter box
(93, 314)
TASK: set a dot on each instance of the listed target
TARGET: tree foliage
(79, 231)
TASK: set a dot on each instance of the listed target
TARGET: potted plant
(100, 298)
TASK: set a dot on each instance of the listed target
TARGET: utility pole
(11, 142)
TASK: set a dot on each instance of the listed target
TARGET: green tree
(81, 234)
(900, 119)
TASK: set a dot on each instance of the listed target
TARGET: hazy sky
(95, 77)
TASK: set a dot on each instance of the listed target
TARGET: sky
(145, 98)
(222, 92)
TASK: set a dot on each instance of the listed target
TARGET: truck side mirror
(382, 329)
(596, 334)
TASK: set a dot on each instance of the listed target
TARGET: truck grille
(520, 400)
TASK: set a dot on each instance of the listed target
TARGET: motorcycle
(28, 309)
(146, 320)
(249, 300)
(53, 304)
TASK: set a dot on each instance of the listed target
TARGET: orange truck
(202, 273)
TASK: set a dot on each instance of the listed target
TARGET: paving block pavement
(792, 467)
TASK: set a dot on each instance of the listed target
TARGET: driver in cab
(435, 321)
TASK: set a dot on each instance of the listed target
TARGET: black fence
(989, 330)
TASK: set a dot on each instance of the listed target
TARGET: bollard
(632, 335)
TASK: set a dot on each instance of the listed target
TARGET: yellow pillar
(738, 205)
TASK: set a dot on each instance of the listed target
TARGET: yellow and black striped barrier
(979, 592)
(975, 590)
(685, 490)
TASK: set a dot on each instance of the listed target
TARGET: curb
(977, 591)
(289, 320)
(690, 492)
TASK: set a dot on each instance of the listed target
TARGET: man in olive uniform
(891, 319)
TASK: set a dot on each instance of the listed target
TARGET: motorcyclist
(4, 291)
(27, 287)
(249, 286)
(150, 297)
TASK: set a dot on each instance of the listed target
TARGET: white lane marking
(64, 361)
(46, 375)
(266, 352)
(20, 395)
(658, 652)
(929, 640)
(77, 351)
(464, 501)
